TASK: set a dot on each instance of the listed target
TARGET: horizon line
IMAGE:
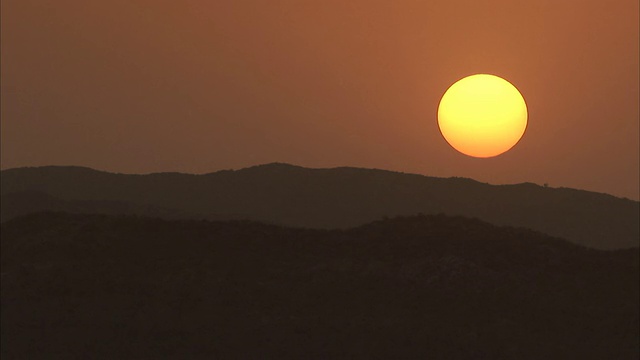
(278, 163)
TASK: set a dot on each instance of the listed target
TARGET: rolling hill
(327, 198)
(437, 287)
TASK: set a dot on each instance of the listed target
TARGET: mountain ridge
(431, 286)
(282, 165)
(344, 197)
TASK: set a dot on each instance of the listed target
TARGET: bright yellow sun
(482, 115)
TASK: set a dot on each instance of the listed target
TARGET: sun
(482, 115)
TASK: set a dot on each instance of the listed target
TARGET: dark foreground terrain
(424, 287)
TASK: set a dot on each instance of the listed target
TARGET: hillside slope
(437, 287)
(342, 197)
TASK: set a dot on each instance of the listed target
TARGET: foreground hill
(436, 287)
(328, 198)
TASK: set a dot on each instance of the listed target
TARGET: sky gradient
(140, 86)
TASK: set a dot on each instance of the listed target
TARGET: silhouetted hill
(343, 197)
(28, 202)
(425, 287)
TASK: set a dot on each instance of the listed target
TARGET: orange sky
(195, 86)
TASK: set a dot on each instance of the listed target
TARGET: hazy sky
(143, 86)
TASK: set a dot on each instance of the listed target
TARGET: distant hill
(28, 202)
(424, 287)
(332, 198)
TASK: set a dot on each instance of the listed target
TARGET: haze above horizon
(193, 87)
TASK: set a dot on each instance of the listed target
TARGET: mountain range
(322, 198)
(420, 287)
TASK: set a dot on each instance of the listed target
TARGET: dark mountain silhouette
(29, 202)
(436, 287)
(339, 198)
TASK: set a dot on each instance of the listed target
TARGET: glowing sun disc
(482, 115)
